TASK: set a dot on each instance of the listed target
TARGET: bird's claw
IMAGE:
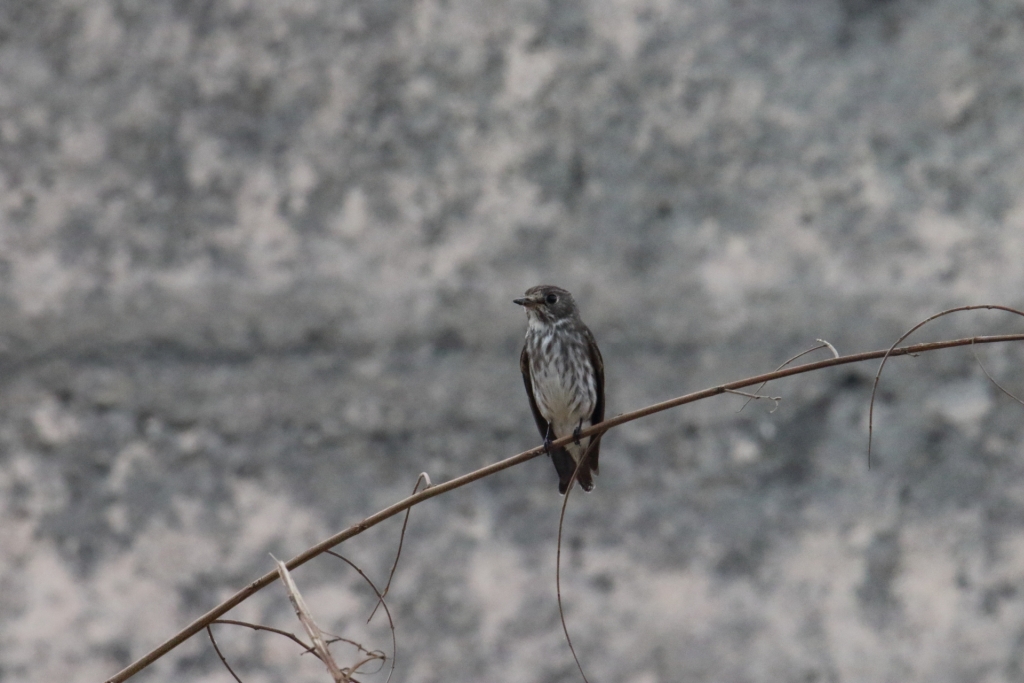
(576, 433)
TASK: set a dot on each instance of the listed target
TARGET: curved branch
(558, 554)
(406, 503)
(915, 328)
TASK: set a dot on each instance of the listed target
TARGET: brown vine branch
(757, 397)
(380, 597)
(822, 345)
(424, 478)
(406, 503)
(992, 379)
(915, 328)
(270, 629)
(223, 660)
(558, 550)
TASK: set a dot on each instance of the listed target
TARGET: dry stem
(402, 505)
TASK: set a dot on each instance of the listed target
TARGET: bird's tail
(565, 465)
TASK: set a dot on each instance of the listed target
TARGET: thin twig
(558, 551)
(401, 539)
(993, 379)
(335, 638)
(373, 654)
(380, 598)
(223, 660)
(355, 669)
(200, 623)
(305, 617)
(259, 627)
(917, 348)
(835, 354)
(823, 345)
(756, 397)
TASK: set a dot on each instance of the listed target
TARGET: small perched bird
(564, 377)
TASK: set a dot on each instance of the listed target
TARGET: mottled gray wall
(256, 267)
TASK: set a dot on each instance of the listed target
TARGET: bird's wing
(598, 415)
(524, 367)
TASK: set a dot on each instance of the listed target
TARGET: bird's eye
(551, 299)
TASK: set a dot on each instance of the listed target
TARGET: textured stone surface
(256, 268)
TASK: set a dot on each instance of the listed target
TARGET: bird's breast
(562, 377)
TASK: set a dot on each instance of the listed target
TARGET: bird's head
(548, 304)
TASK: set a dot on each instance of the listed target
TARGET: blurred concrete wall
(256, 267)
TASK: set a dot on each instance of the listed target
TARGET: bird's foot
(576, 433)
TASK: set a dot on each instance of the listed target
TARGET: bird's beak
(525, 301)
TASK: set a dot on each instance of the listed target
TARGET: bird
(564, 376)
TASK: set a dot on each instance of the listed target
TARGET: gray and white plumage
(564, 377)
